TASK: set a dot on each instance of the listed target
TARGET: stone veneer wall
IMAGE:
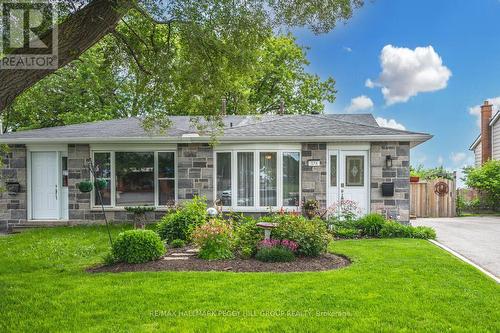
(314, 178)
(13, 207)
(195, 171)
(399, 204)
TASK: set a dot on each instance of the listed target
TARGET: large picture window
(257, 179)
(139, 178)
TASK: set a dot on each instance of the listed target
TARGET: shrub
(342, 232)
(215, 239)
(393, 229)
(486, 179)
(177, 243)
(246, 252)
(137, 246)
(248, 236)
(370, 225)
(180, 223)
(275, 254)
(288, 244)
(346, 210)
(423, 232)
(311, 235)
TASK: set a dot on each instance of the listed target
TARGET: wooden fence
(433, 198)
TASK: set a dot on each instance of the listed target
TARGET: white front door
(348, 178)
(44, 186)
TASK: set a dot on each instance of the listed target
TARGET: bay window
(137, 178)
(257, 179)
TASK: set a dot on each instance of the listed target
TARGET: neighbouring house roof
(492, 122)
(495, 118)
(475, 143)
(268, 128)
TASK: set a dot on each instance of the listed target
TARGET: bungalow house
(487, 144)
(258, 164)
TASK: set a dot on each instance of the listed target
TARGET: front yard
(392, 285)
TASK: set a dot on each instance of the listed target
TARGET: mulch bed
(302, 264)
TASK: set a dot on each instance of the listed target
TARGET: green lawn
(393, 285)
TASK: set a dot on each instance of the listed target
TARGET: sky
(422, 65)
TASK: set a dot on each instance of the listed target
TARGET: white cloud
(458, 157)
(406, 73)
(440, 160)
(476, 109)
(391, 123)
(347, 49)
(369, 84)
(360, 103)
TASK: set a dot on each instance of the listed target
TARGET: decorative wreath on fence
(441, 189)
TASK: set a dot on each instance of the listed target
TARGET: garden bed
(324, 262)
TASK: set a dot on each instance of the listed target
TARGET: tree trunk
(79, 31)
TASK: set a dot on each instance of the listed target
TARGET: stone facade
(314, 177)
(398, 206)
(195, 176)
(13, 202)
(195, 171)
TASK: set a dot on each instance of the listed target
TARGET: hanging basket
(85, 186)
(101, 184)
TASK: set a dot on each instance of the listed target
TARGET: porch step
(15, 228)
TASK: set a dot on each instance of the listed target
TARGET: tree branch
(131, 51)
(78, 32)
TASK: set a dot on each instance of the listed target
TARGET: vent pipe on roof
(282, 108)
(223, 107)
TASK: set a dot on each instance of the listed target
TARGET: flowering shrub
(311, 236)
(291, 245)
(215, 239)
(346, 210)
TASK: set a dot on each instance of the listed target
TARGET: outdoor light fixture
(388, 161)
(269, 157)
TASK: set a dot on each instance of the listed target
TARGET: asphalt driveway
(476, 238)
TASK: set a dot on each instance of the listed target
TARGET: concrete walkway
(475, 238)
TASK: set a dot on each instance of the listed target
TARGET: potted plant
(85, 186)
(414, 176)
(310, 208)
(101, 184)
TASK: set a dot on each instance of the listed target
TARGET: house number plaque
(313, 163)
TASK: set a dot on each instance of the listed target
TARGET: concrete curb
(461, 257)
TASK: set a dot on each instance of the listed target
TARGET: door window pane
(134, 178)
(224, 178)
(333, 170)
(267, 176)
(245, 190)
(166, 178)
(354, 170)
(291, 176)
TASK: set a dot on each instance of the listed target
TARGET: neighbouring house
(487, 144)
(258, 164)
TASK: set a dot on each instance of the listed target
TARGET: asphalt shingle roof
(309, 126)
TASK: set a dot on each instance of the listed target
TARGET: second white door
(44, 186)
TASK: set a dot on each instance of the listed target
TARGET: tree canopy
(485, 179)
(156, 58)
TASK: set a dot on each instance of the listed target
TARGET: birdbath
(267, 226)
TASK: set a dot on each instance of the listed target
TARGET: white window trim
(112, 206)
(279, 174)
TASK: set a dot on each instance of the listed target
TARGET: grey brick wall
(314, 178)
(399, 204)
(13, 206)
(195, 170)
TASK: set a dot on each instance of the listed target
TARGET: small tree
(485, 179)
